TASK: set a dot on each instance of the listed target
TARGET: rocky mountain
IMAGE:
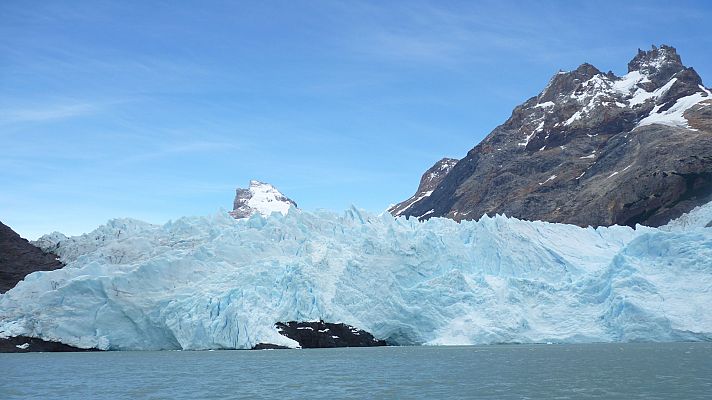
(261, 198)
(428, 182)
(591, 149)
(18, 257)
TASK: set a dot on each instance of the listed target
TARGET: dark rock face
(268, 346)
(24, 344)
(591, 149)
(18, 257)
(428, 182)
(326, 335)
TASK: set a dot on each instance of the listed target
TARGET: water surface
(605, 371)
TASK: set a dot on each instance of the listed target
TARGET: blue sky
(159, 109)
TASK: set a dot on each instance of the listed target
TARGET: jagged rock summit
(591, 149)
(261, 198)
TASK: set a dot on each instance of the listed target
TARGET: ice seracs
(698, 217)
(261, 198)
(218, 282)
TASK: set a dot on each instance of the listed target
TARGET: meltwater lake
(603, 371)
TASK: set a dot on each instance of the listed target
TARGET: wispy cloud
(46, 112)
(450, 36)
(177, 149)
(434, 34)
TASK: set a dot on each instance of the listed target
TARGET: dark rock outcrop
(322, 334)
(591, 149)
(18, 257)
(428, 182)
(25, 344)
(268, 346)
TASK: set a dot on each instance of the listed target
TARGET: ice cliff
(216, 282)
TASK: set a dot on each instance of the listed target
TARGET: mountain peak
(591, 149)
(260, 198)
(566, 82)
(587, 70)
(660, 62)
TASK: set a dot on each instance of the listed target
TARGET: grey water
(576, 371)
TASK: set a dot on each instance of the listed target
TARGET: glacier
(214, 282)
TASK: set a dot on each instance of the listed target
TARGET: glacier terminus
(216, 282)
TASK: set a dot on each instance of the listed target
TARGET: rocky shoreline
(26, 344)
(320, 334)
(309, 335)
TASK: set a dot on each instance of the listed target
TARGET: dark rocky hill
(428, 182)
(591, 149)
(18, 257)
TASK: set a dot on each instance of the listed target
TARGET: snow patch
(417, 199)
(266, 199)
(641, 96)
(428, 213)
(575, 117)
(674, 116)
(594, 93)
(629, 82)
(551, 178)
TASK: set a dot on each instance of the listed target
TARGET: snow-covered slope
(261, 198)
(217, 282)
